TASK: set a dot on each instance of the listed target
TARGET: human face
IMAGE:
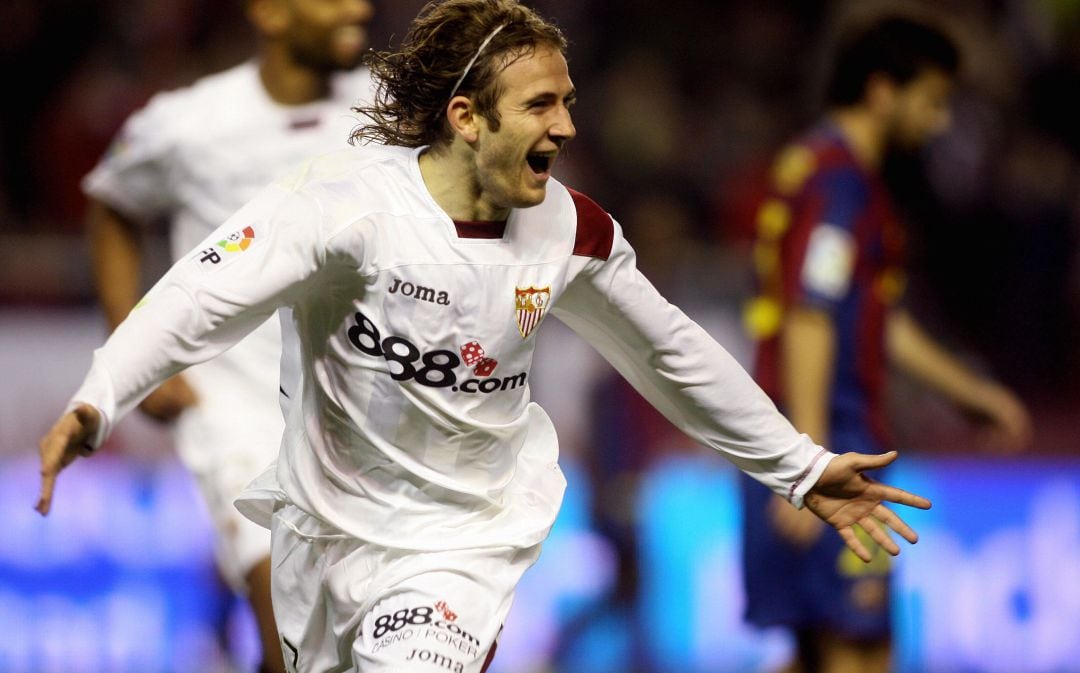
(921, 109)
(328, 35)
(514, 163)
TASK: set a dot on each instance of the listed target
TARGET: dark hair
(898, 47)
(413, 84)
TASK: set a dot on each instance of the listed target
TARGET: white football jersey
(415, 429)
(193, 157)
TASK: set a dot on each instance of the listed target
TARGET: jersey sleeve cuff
(809, 477)
(97, 391)
(104, 426)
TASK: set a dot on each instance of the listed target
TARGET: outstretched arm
(685, 373)
(258, 261)
(844, 497)
(918, 354)
(116, 258)
(745, 427)
(698, 386)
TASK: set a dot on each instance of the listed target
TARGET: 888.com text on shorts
(428, 632)
(345, 604)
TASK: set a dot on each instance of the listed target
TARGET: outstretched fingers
(886, 493)
(44, 502)
(875, 523)
(893, 521)
(877, 532)
(846, 498)
(51, 464)
(863, 462)
(851, 539)
(875, 526)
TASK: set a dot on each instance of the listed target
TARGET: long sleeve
(685, 374)
(257, 261)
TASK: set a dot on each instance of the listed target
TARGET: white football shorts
(227, 440)
(239, 544)
(343, 604)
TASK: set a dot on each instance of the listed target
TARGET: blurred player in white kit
(192, 157)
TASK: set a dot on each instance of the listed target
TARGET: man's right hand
(169, 400)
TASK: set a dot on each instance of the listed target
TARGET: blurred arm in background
(116, 259)
(915, 352)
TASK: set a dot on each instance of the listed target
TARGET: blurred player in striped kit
(192, 157)
(829, 256)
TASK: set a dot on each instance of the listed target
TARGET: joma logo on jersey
(419, 292)
(530, 303)
(436, 659)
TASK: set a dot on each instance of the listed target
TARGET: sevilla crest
(530, 304)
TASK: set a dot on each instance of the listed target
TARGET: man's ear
(881, 92)
(270, 17)
(464, 121)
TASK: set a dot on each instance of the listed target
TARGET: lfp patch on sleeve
(237, 241)
(830, 261)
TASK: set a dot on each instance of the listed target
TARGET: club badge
(530, 304)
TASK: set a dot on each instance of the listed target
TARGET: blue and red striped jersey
(827, 237)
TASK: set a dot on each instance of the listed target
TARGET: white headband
(487, 40)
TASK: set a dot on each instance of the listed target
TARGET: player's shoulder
(370, 162)
(218, 88)
(197, 107)
(333, 184)
(817, 159)
(593, 226)
(352, 179)
(243, 75)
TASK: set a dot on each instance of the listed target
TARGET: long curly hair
(413, 85)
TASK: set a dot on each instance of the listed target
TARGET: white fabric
(407, 463)
(193, 157)
(342, 604)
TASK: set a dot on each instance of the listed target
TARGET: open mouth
(540, 163)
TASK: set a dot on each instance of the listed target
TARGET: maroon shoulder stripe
(595, 230)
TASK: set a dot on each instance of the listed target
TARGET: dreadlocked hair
(413, 84)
